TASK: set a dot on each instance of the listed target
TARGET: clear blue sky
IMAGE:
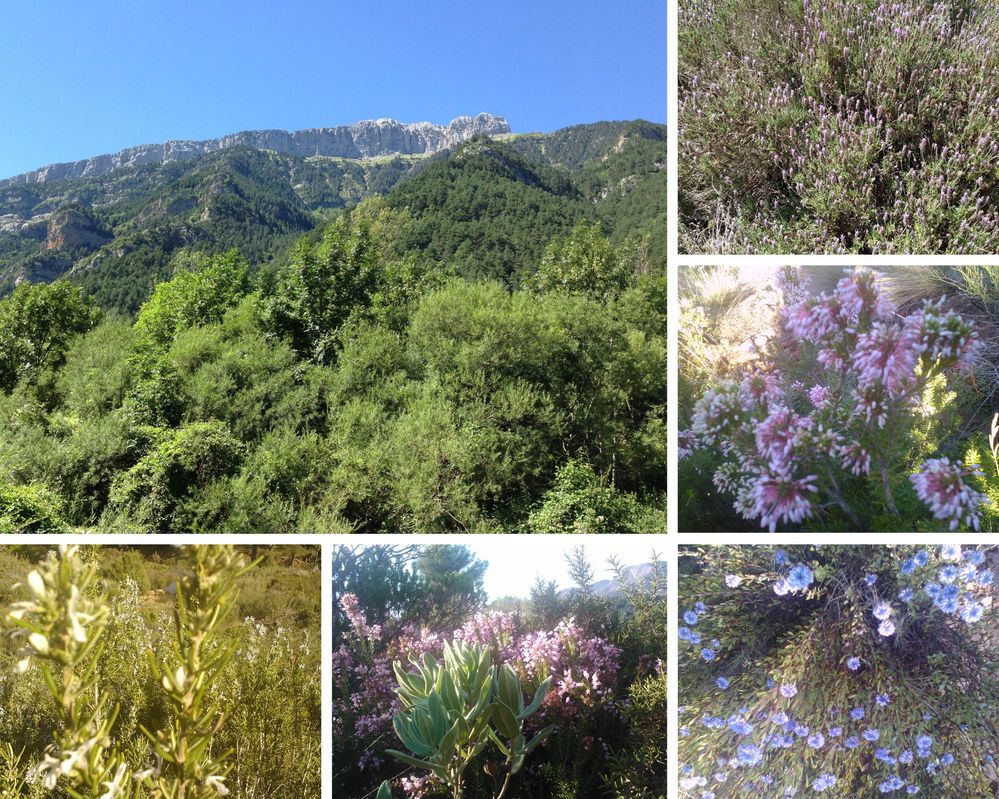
(80, 79)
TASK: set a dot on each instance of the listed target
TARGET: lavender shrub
(840, 126)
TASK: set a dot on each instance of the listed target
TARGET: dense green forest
(482, 350)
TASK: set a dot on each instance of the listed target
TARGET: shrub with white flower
(822, 427)
(841, 670)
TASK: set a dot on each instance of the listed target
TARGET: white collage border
(675, 263)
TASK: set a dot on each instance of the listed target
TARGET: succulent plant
(455, 708)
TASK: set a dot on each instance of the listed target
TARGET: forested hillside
(483, 350)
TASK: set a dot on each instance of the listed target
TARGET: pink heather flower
(762, 389)
(860, 296)
(780, 433)
(855, 459)
(718, 412)
(872, 405)
(941, 485)
(780, 498)
(686, 444)
(886, 355)
(943, 336)
(819, 396)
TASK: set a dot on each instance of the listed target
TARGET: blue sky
(80, 79)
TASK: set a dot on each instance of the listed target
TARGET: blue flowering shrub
(840, 671)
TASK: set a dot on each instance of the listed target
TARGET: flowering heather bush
(583, 670)
(839, 420)
(843, 671)
(865, 126)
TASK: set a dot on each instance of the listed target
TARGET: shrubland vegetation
(563, 697)
(838, 671)
(818, 126)
(867, 406)
(516, 384)
(141, 672)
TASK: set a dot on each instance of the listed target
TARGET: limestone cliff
(368, 139)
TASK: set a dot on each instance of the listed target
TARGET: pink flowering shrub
(584, 671)
(829, 421)
(866, 126)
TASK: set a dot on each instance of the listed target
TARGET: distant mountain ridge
(366, 139)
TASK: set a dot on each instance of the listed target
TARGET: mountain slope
(486, 207)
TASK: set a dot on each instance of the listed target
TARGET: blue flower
(708, 655)
(882, 611)
(947, 574)
(782, 587)
(905, 756)
(912, 789)
(884, 756)
(972, 612)
(749, 754)
(974, 556)
(835, 732)
(924, 741)
(922, 557)
(891, 784)
(950, 552)
(691, 618)
(780, 557)
(857, 713)
(722, 683)
(800, 577)
(883, 700)
(781, 718)
(853, 663)
(870, 734)
(947, 759)
(823, 781)
(852, 742)
(886, 628)
(739, 725)
(801, 730)
(816, 741)
(906, 594)
(932, 590)
(909, 566)
(789, 690)
(732, 580)
(984, 577)
(700, 607)
(870, 579)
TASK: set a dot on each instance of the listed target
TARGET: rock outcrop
(368, 139)
(75, 229)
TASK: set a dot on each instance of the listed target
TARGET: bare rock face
(369, 139)
(73, 229)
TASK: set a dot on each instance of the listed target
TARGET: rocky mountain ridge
(366, 139)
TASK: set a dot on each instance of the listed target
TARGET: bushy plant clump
(827, 126)
(840, 670)
(358, 389)
(597, 678)
(840, 417)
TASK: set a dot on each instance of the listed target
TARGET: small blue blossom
(707, 655)
(886, 628)
(857, 713)
(870, 734)
(870, 579)
(972, 612)
(950, 552)
(789, 690)
(906, 594)
(947, 574)
(749, 754)
(852, 742)
(780, 557)
(853, 663)
(922, 557)
(882, 611)
(722, 682)
(882, 699)
(816, 741)
(800, 577)
(823, 781)
(835, 732)
(690, 617)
